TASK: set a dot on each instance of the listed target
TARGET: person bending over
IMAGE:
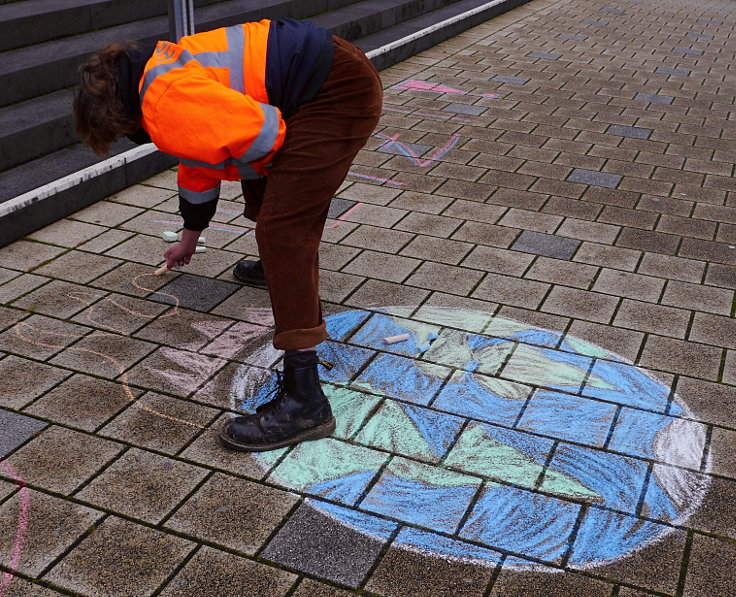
(282, 106)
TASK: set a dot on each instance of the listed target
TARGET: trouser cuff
(304, 338)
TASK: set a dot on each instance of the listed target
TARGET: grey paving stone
(232, 512)
(25, 380)
(312, 588)
(709, 22)
(468, 109)
(654, 98)
(699, 35)
(120, 559)
(544, 55)
(548, 245)
(510, 79)
(160, 422)
(710, 559)
(675, 72)
(573, 36)
(54, 525)
(407, 573)
(19, 587)
(594, 22)
(82, 401)
(550, 582)
(214, 573)
(61, 460)
(317, 544)
(635, 132)
(16, 429)
(339, 206)
(196, 292)
(618, 11)
(142, 485)
(594, 178)
(688, 51)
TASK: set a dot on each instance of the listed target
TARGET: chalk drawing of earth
(501, 439)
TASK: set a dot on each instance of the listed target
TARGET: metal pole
(181, 19)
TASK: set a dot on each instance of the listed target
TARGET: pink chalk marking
(343, 216)
(491, 95)
(386, 180)
(416, 85)
(408, 152)
(21, 532)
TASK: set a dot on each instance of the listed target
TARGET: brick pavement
(553, 193)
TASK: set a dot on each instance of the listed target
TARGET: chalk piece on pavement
(161, 270)
(202, 240)
(200, 250)
(169, 237)
(433, 336)
(424, 347)
(395, 339)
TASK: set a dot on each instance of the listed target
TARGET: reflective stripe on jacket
(204, 101)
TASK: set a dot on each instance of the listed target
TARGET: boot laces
(274, 395)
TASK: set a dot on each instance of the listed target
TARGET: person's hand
(180, 253)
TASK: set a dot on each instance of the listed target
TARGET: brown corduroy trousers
(290, 205)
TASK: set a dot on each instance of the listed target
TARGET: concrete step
(52, 65)
(36, 127)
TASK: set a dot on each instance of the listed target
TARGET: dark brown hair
(99, 113)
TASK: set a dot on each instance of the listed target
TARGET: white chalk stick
(202, 240)
(169, 237)
(395, 339)
(200, 250)
(161, 270)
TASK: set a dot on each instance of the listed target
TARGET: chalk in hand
(395, 339)
(161, 270)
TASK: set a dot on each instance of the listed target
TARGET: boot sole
(308, 434)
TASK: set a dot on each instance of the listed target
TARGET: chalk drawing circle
(512, 440)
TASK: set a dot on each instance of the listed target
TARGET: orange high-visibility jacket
(204, 101)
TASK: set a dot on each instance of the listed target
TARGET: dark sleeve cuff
(197, 216)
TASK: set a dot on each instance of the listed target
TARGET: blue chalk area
(365, 523)
(469, 398)
(398, 377)
(381, 326)
(675, 409)
(568, 417)
(341, 325)
(658, 503)
(536, 448)
(433, 544)
(439, 430)
(617, 479)
(635, 431)
(263, 394)
(520, 521)
(542, 338)
(606, 535)
(630, 387)
(346, 359)
(476, 342)
(345, 490)
(430, 506)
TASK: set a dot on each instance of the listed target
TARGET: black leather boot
(300, 411)
(250, 272)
